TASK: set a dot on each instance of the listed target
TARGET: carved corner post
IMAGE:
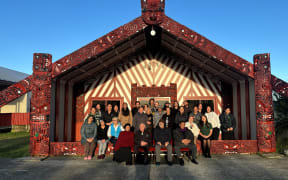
(40, 104)
(264, 109)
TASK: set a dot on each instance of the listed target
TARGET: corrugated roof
(11, 75)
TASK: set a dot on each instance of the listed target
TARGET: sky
(59, 27)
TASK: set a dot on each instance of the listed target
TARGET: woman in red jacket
(124, 145)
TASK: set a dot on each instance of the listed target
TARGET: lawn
(13, 145)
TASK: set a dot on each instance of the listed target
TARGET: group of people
(151, 125)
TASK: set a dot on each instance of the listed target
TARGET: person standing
(124, 145)
(125, 115)
(168, 118)
(157, 116)
(108, 115)
(116, 110)
(150, 121)
(152, 105)
(88, 135)
(205, 135)
(142, 139)
(162, 137)
(213, 119)
(181, 116)
(187, 108)
(183, 138)
(140, 117)
(228, 124)
(98, 114)
(175, 108)
(197, 115)
(136, 108)
(102, 139)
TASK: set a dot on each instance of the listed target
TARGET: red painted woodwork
(264, 109)
(162, 91)
(152, 14)
(217, 147)
(247, 101)
(152, 11)
(279, 86)
(15, 90)
(40, 104)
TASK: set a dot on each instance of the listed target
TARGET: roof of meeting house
(176, 37)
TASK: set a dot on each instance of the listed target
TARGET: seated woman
(88, 135)
(124, 145)
(193, 127)
(205, 135)
(142, 139)
(102, 139)
(114, 130)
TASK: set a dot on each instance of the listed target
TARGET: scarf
(125, 112)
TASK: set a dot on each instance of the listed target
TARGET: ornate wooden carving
(264, 109)
(40, 104)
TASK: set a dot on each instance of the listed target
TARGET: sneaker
(89, 158)
(157, 163)
(169, 163)
(209, 156)
(85, 158)
(181, 162)
(99, 157)
(194, 161)
(103, 156)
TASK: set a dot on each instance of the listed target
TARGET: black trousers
(228, 135)
(113, 140)
(145, 148)
(123, 154)
(215, 134)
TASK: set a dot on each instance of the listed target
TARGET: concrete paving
(219, 167)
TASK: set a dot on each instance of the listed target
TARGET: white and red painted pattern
(148, 70)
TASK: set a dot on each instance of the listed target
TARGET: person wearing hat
(88, 135)
(102, 139)
(162, 137)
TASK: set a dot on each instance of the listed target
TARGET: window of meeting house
(204, 103)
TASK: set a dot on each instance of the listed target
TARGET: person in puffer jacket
(88, 136)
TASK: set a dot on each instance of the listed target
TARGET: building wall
(19, 105)
(146, 70)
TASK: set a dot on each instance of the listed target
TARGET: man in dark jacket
(181, 116)
(136, 108)
(168, 118)
(108, 115)
(196, 114)
(142, 139)
(228, 124)
(162, 136)
(183, 138)
(140, 117)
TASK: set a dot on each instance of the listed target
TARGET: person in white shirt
(213, 118)
(193, 128)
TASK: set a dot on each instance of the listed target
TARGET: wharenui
(150, 56)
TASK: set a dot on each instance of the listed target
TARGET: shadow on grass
(14, 147)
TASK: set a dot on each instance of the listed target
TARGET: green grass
(282, 144)
(13, 145)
